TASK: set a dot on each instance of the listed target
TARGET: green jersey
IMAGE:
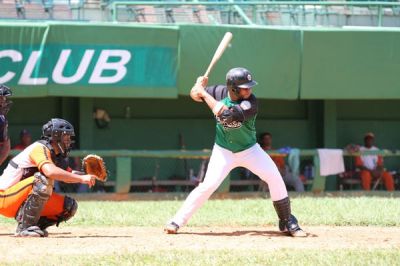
(236, 129)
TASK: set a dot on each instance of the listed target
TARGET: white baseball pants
(222, 161)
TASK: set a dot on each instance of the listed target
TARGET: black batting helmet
(5, 104)
(55, 129)
(238, 78)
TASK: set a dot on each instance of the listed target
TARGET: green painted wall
(350, 64)
(32, 114)
(158, 124)
(141, 61)
(161, 121)
(273, 56)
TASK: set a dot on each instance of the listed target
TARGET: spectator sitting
(25, 139)
(289, 178)
(371, 166)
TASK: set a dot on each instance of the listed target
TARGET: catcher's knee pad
(29, 213)
(70, 208)
(42, 186)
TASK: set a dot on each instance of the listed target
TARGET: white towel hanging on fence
(331, 161)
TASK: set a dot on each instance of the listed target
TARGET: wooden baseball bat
(220, 50)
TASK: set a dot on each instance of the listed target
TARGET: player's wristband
(217, 108)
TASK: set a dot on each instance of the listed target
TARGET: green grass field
(311, 211)
(358, 211)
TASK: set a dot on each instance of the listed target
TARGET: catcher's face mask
(65, 143)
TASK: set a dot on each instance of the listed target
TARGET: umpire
(5, 105)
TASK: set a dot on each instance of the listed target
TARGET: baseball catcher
(26, 185)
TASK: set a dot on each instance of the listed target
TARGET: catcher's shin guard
(287, 221)
(29, 213)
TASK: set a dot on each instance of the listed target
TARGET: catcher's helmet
(238, 78)
(55, 129)
(5, 104)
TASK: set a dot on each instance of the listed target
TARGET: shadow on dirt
(244, 232)
(87, 236)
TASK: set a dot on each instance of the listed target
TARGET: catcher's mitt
(94, 165)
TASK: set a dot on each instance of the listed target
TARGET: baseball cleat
(32, 231)
(291, 227)
(171, 228)
(298, 233)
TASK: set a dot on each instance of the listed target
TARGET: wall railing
(299, 13)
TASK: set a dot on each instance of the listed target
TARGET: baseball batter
(235, 110)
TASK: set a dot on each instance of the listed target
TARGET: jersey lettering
(229, 125)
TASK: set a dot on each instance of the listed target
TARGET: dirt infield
(84, 241)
